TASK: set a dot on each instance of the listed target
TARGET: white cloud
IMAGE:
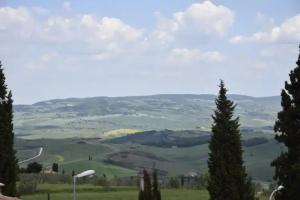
(207, 17)
(16, 22)
(185, 55)
(100, 37)
(80, 38)
(288, 31)
(21, 22)
(89, 28)
(204, 19)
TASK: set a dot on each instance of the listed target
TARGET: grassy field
(89, 192)
(127, 158)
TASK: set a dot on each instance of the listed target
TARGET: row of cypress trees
(8, 161)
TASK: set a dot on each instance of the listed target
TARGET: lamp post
(280, 187)
(82, 174)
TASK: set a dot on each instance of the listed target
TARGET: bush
(34, 168)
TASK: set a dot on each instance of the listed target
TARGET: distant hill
(174, 139)
(93, 117)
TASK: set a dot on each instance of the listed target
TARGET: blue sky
(58, 49)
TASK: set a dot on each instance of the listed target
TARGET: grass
(71, 154)
(90, 192)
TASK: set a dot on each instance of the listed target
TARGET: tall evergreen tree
(147, 186)
(287, 165)
(155, 190)
(228, 179)
(8, 160)
(3, 124)
(149, 191)
(55, 167)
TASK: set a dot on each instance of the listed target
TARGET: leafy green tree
(8, 161)
(287, 126)
(34, 168)
(55, 167)
(227, 175)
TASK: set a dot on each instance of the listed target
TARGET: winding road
(30, 159)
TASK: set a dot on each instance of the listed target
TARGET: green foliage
(34, 168)
(155, 190)
(55, 167)
(228, 179)
(287, 165)
(150, 190)
(8, 161)
(147, 193)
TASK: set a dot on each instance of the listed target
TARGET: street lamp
(82, 174)
(280, 187)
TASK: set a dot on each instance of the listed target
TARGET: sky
(60, 49)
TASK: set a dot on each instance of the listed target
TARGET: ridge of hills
(95, 116)
(125, 133)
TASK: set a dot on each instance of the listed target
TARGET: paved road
(30, 159)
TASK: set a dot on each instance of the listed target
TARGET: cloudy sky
(58, 49)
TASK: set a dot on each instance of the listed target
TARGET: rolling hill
(108, 116)
(123, 134)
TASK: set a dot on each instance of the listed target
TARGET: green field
(126, 159)
(89, 192)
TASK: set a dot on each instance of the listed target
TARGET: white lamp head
(2, 184)
(85, 173)
(280, 187)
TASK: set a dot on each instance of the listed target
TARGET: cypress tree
(147, 186)
(55, 167)
(8, 160)
(3, 124)
(150, 191)
(287, 126)
(228, 179)
(155, 191)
